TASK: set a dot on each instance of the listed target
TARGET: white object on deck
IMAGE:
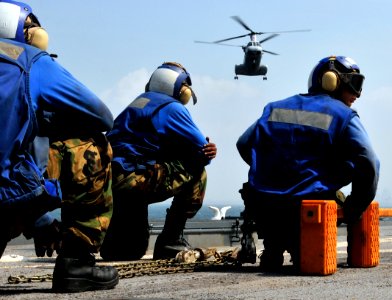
(11, 258)
(219, 214)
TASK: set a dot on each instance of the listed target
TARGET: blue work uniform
(50, 102)
(303, 147)
(157, 155)
(156, 127)
(310, 146)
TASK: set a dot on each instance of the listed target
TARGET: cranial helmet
(172, 79)
(13, 25)
(13, 16)
(333, 73)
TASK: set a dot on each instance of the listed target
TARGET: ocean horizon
(157, 211)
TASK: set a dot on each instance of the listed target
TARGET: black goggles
(353, 81)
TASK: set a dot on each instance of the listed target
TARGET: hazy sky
(113, 46)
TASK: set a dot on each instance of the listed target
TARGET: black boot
(171, 240)
(271, 261)
(168, 247)
(81, 274)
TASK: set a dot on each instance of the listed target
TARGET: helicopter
(253, 51)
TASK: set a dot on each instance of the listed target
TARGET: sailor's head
(172, 79)
(20, 24)
(337, 76)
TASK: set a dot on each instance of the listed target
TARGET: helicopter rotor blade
(270, 52)
(240, 21)
(269, 37)
(232, 38)
(214, 43)
(243, 24)
(202, 42)
(287, 31)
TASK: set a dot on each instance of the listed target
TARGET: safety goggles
(353, 81)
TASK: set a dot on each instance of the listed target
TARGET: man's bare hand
(210, 149)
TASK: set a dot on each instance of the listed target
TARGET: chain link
(29, 279)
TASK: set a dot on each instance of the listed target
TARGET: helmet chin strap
(193, 96)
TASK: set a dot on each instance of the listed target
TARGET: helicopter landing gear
(236, 77)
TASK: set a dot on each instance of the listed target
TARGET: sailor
(307, 146)
(40, 98)
(159, 153)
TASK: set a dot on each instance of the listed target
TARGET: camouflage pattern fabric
(162, 181)
(83, 167)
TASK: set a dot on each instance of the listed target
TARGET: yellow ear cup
(330, 81)
(38, 37)
(185, 94)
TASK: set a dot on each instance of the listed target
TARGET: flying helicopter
(253, 51)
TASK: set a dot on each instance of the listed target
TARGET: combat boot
(171, 240)
(271, 261)
(168, 247)
(80, 274)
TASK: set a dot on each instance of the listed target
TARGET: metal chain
(147, 268)
(29, 279)
(150, 268)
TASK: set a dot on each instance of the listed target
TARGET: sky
(114, 46)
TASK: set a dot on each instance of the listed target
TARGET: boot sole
(74, 285)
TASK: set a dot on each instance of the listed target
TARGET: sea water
(157, 211)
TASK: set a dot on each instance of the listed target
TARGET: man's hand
(47, 239)
(209, 149)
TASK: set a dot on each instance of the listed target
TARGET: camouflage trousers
(83, 167)
(160, 182)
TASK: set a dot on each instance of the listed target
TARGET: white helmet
(168, 79)
(13, 16)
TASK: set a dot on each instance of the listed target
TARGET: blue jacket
(308, 146)
(156, 127)
(38, 97)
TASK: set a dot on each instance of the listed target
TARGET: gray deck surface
(244, 283)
